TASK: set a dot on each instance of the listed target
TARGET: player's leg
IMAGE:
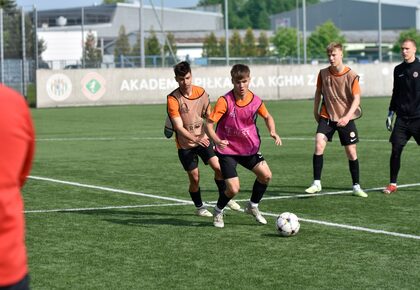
(324, 133)
(220, 182)
(263, 174)
(399, 138)
(189, 161)
(228, 167)
(318, 162)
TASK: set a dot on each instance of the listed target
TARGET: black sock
(354, 170)
(196, 198)
(223, 200)
(317, 162)
(221, 185)
(258, 191)
(395, 162)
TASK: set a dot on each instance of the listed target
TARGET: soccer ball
(287, 224)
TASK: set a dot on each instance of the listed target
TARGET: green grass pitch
(107, 207)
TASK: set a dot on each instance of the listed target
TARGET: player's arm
(317, 98)
(343, 121)
(178, 124)
(215, 115)
(270, 124)
(395, 92)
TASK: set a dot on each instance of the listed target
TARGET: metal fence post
(1, 48)
(24, 81)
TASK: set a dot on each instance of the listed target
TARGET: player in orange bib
(339, 88)
(187, 106)
(16, 153)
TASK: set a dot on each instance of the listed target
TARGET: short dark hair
(409, 39)
(182, 69)
(239, 71)
(334, 45)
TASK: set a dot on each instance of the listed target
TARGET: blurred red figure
(17, 144)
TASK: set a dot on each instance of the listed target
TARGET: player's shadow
(149, 218)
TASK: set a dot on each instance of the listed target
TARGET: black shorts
(348, 134)
(228, 163)
(404, 129)
(20, 285)
(189, 157)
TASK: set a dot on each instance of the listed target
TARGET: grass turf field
(107, 207)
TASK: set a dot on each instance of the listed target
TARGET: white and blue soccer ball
(287, 224)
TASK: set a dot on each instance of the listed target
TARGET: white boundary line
(163, 138)
(186, 202)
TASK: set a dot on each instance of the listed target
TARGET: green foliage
(321, 37)
(285, 42)
(411, 33)
(222, 46)
(152, 45)
(252, 13)
(263, 47)
(113, 1)
(249, 47)
(210, 46)
(93, 55)
(170, 37)
(122, 45)
(8, 5)
(235, 44)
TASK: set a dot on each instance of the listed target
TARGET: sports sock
(221, 185)
(258, 191)
(317, 162)
(354, 171)
(196, 198)
(395, 162)
(222, 201)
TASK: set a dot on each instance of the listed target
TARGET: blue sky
(52, 4)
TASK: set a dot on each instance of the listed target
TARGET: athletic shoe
(218, 220)
(390, 189)
(314, 188)
(357, 191)
(202, 211)
(233, 205)
(256, 213)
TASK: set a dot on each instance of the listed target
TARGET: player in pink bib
(238, 142)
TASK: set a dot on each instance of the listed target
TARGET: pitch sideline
(186, 202)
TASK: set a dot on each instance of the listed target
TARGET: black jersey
(405, 99)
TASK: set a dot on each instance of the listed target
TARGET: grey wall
(86, 87)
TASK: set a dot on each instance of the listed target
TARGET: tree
(252, 13)
(152, 45)
(263, 48)
(285, 42)
(122, 45)
(93, 56)
(210, 46)
(172, 43)
(235, 44)
(113, 1)
(411, 33)
(8, 5)
(222, 47)
(321, 37)
(249, 46)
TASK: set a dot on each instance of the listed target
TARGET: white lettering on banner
(311, 80)
(361, 79)
(147, 84)
(286, 81)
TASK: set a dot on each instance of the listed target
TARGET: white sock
(216, 208)
(253, 204)
(317, 182)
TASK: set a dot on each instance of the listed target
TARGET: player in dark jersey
(405, 104)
